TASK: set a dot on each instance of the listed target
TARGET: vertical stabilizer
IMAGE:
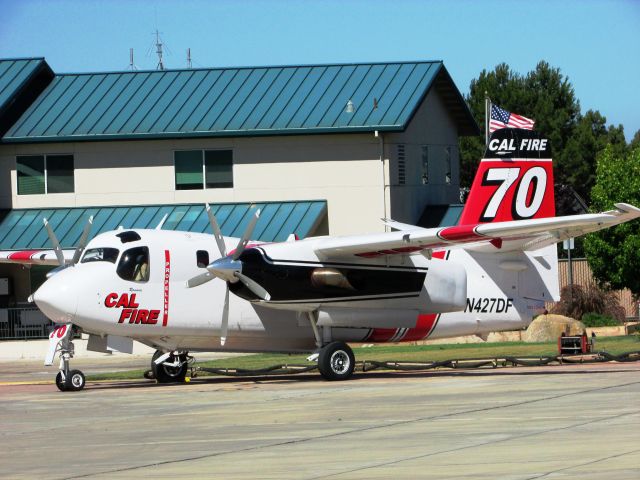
(514, 180)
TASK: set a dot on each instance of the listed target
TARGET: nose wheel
(60, 342)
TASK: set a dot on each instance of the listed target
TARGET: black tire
(164, 374)
(60, 383)
(336, 361)
(75, 380)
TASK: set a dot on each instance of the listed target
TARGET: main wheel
(60, 382)
(75, 380)
(166, 374)
(336, 361)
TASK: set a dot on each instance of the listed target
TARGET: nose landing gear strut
(60, 342)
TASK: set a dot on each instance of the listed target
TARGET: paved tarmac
(574, 421)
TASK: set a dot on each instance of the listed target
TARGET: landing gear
(60, 342)
(336, 361)
(73, 381)
(172, 368)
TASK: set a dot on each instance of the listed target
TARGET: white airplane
(171, 290)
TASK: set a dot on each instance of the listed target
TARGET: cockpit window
(134, 265)
(100, 255)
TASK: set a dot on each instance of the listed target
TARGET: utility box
(574, 345)
(4, 286)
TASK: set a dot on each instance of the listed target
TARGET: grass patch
(406, 353)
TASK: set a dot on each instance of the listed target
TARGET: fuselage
(133, 284)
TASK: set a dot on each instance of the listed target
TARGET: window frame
(46, 173)
(204, 167)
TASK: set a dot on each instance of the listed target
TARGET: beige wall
(434, 127)
(345, 170)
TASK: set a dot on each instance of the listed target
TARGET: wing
(35, 257)
(497, 236)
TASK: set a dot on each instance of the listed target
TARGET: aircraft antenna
(189, 64)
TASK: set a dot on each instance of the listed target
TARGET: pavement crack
(482, 444)
(584, 464)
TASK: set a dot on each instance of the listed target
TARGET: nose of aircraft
(56, 298)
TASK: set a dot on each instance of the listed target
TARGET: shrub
(576, 301)
(597, 320)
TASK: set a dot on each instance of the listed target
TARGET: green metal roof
(21, 81)
(23, 229)
(236, 101)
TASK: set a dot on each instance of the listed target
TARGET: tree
(548, 97)
(635, 142)
(614, 253)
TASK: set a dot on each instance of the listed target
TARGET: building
(323, 149)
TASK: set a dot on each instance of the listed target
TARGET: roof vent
(350, 107)
(128, 236)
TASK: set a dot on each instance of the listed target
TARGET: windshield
(134, 265)
(100, 255)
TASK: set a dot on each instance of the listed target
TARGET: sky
(595, 43)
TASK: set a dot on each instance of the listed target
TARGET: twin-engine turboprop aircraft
(181, 292)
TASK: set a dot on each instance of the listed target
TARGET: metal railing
(23, 323)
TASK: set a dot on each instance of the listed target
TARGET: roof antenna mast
(189, 65)
(132, 66)
(160, 65)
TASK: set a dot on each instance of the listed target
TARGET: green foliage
(547, 96)
(613, 253)
(597, 320)
(576, 301)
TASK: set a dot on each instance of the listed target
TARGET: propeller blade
(200, 279)
(216, 232)
(225, 319)
(253, 286)
(83, 241)
(56, 244)
(246, 236)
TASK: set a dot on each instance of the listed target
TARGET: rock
(547, 328)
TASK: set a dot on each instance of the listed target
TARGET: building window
(425, 164)
(41, 174)
(447, 163)
(198, 169)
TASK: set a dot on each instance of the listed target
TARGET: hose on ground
(370, 365)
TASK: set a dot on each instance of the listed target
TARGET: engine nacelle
(445, 287)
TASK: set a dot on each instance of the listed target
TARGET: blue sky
(596, 43)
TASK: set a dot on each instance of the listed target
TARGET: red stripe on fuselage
(424, 327)
(381, 334)
(167, 276)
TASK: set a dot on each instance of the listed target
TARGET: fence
(23, 324)
(582, 275)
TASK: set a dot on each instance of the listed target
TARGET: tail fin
(514, 180)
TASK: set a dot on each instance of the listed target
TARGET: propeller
(58, 249)
(229, 268)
